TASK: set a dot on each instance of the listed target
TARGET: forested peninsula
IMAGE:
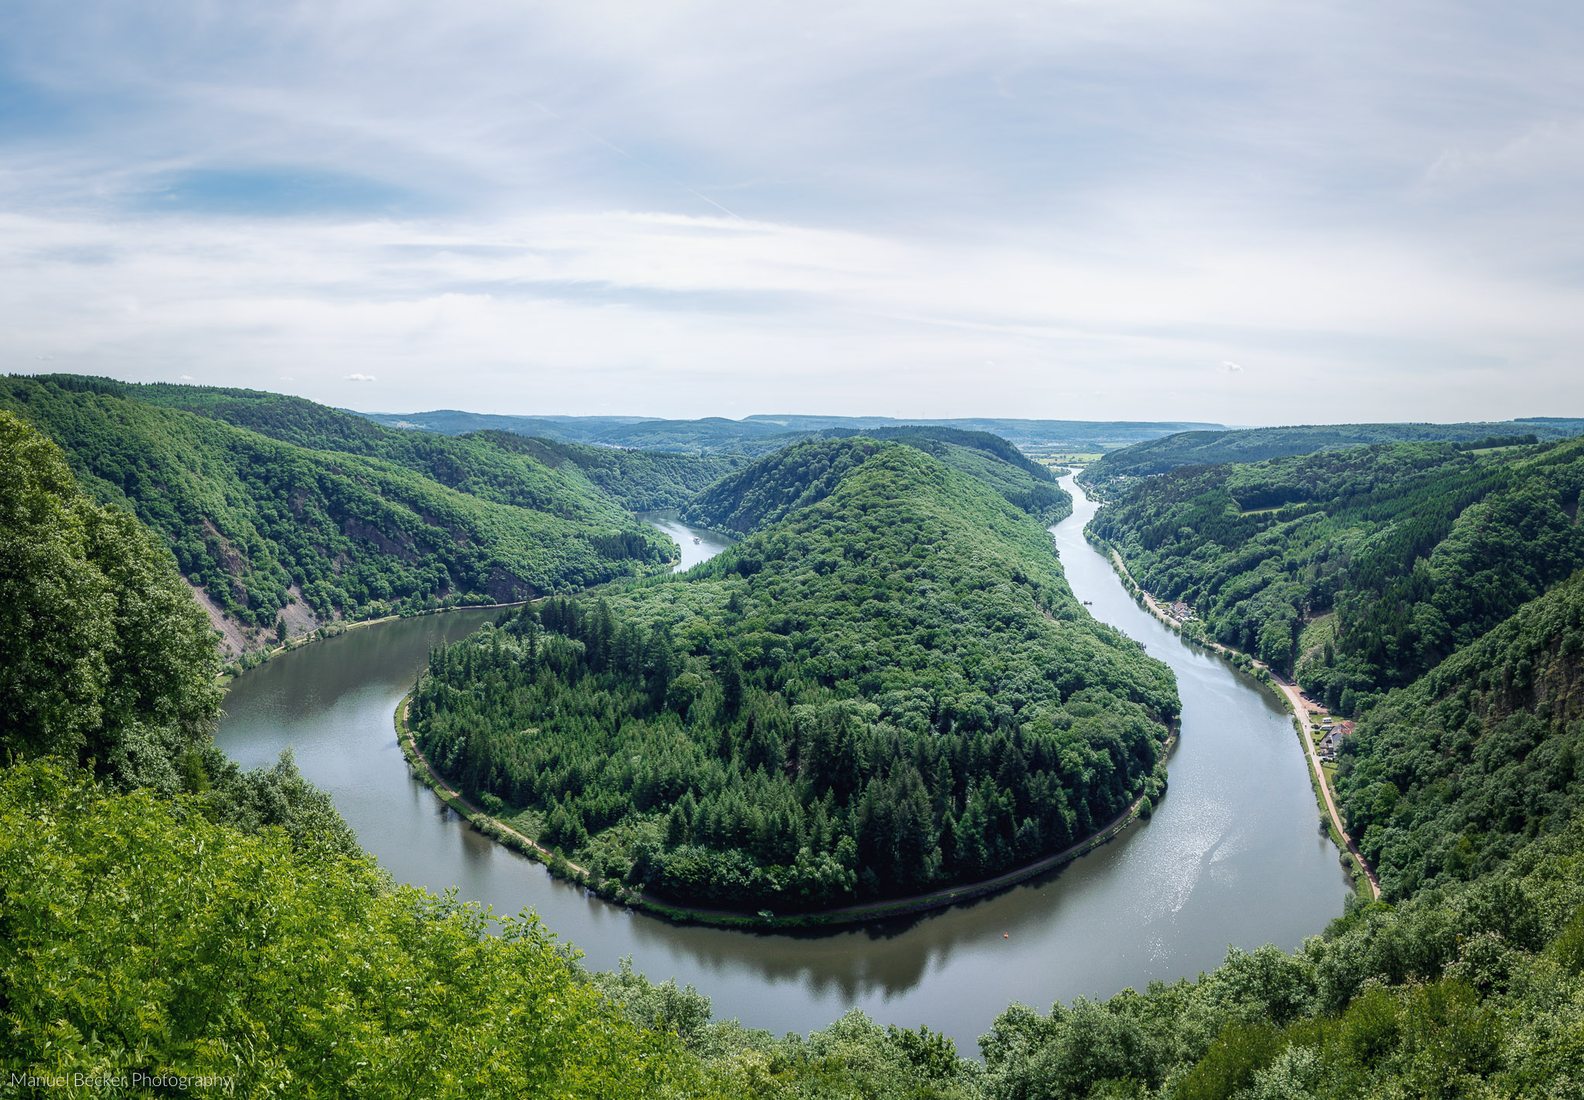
(884, 688)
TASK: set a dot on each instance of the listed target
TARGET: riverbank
(258, 657)
(763, 920)
(1364, 877)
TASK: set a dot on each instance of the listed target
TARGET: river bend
(1234, 854)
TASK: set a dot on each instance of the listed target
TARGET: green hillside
(496, 465)
(1447, 777)
(1358, 569)
(807, 472)
(327, 516)
(889, 673)
(1115, 470)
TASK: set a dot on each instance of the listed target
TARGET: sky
(1248, 213)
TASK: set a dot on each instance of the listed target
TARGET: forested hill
(886, 690)
(1447, 777)
(488, 464)
(807, 472)
(282, 536)
(1359, 569)
(170, 918)
(1208, 448)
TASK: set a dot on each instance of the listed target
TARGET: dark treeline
(886, 691)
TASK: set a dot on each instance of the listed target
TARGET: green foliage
(1447, 777)
(805, 473)
(138, 937)
(103, 655)
(328, 513)
(639, 481)
(887, 690)
(278, 797)
(1406, 552)
(771, 489)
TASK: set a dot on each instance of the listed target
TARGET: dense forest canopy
(807, 472)
(1115, 470)
(886, 688)
(1446, 778)
(496, 465)
(1358, 569)
(304, 514)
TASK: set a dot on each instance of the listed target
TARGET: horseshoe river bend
(1233, 856)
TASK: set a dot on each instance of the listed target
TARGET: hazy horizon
(1239, 212)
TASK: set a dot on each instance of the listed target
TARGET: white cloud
(686, 208)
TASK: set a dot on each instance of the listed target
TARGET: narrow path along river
(1233, 856)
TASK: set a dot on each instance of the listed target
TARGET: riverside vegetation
(161, 917)
(889, 674)
(288, 515)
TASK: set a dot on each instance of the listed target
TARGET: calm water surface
(1233, 856)
(697, 544)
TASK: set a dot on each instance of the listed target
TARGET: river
(1234, 854)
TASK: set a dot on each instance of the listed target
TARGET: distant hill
(762, 433)
(1211, 448)
(637, 480)
(806, 472)
(284, 515)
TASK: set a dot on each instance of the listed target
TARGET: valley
(883, 685)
